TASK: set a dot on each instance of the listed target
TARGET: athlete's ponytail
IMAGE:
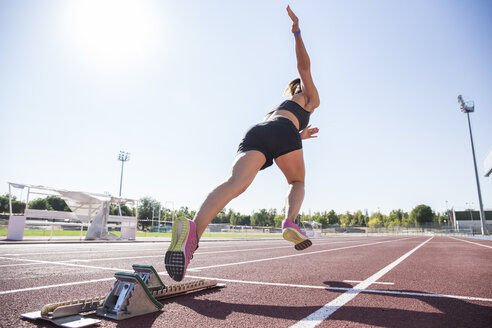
(293, 87)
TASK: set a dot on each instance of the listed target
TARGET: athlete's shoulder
(301, 100)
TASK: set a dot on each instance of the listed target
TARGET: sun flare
(114, 34)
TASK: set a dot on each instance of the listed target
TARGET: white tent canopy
(85, 206)
(312, 228)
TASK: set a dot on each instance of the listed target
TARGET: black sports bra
(301, 114)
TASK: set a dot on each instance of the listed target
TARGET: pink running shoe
(292, 233)
(184, 242)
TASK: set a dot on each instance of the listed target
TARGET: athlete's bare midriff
(284, 113)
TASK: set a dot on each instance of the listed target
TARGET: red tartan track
(400, 281)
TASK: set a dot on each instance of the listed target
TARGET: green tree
(422, 214)
(441, 218)
(333, 218)
(321, 218)
(184, 211)
(232, 218)
(39, 204)
(125, 210)
(244, 220)
(346, 219)
(17, 206)
(50, 203)
(145, 209)
(407, 221)
(221, 217)
(278, 220)
(358, 219)
(262, 219)
(236, 218)
(376, 220)
(57, 204)
(166, 214)
(395, 218)
(305, 217)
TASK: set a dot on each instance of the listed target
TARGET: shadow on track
(446, 312)
(140, 321)
(220, 310)
(449, 312)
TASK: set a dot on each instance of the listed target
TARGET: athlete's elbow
(313, 101)
(316, 102)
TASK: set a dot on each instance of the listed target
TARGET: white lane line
(162, 255)
(54, 286)
(299, 254)
(18, 264)
(189, 269)
(374, 291)
(102, 250)
(159, 255)
(48, 252)
(326, 311)
(203, 253)
(65, 264)
(126, 247)
(371, 291)
(197, 253)
(105, 250)
(377, 282)
(471, 242)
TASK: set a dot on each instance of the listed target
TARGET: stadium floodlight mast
(123, 157)
(447, 212)
(469, 206)
(468, 107)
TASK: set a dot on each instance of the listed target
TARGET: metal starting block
(133, 294)
(66, 314)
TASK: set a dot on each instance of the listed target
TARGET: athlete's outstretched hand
(309, 133)
(295, 20)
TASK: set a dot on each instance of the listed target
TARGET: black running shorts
(273, 138)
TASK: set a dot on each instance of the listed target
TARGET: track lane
(482, 243)
(320, 315)
(409, 311)
(47, 268)
(252, 301)
(329, 267)
(459, 270)
(446, 266)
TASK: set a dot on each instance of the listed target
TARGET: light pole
(123, 157)
(468, 107)
(469, 206)
(447, 213)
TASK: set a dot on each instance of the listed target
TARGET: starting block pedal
(66, 314)
(133, 294)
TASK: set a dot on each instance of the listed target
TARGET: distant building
(466, 221)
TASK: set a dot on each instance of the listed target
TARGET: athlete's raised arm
(309, 97)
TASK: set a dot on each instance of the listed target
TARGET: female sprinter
(277, 138)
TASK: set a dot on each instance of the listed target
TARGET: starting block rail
(132, 294)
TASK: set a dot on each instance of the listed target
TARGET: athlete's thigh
(292, 166)
(246, 166)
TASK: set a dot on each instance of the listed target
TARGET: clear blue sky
(177, 83)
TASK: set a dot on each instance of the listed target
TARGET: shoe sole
(175, 263)
(175, 259)
(303, 245)
(293, 236)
